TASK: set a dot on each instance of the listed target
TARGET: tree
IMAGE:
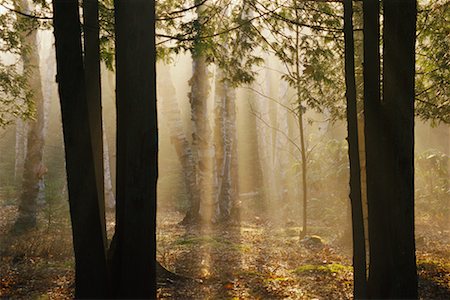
(33, 164)
(178, 138)
(389, 134)
(203, 151)
(91, 58)
(399, 35)
(87, 227)
(134, 256)
(225, 146)
(359, 247)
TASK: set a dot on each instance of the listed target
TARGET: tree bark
(110, 198)
(225, 146)
(359, 248)
(33, 168)
(373, 122)
(203, 151)
(178, 138)
(91, 30)
(20, 149)
(134, 258)
(399, 35)
(87, 228)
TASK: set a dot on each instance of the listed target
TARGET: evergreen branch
(25, 14)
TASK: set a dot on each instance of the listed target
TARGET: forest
(224, 149)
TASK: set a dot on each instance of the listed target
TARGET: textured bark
(20, 148)
(33, 170)
(87, 228)
(178, 138)
(110, 198)
(399, 35)
(225, 146)
(202, 148)
(359, 247)
(134, 257)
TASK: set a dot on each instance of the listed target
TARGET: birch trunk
(110, 199)
(202, 148)
(34, 169)
(20, 148)
(225, 145)
(170, 109)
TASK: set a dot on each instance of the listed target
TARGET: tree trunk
(110, 199)
(359, 248)
(399, 35)
(20, 149)
(134, 257)
(91, 32)
(34, 169)
(87, 228)
(225, 146)
(300, 115)
(202, 149)
(373, 120)
(178, 138)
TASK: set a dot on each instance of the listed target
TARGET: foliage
(328, 177)
(306, 38)
(432, 186)
(433, 61)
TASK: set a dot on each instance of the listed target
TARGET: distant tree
(34, 169)
(203, 150)
(178, 138)
(225, 141)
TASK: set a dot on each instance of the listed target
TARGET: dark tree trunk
(90, 261)
(134, 261)
(359, 248)
(378, 243)
(93, 95)
(399, 32)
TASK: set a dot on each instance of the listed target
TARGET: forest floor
(250, 260)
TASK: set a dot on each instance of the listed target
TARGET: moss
(330, 268)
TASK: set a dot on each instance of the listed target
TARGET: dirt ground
(252, 259)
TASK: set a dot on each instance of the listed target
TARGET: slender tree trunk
(134, 257)
(225, 141)
(178, 137)
(359, 248)
(90, 260)
(33, 170)
(399, 35)
(302, 133)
